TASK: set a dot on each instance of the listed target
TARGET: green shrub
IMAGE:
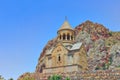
(110, 33)
(55, 77)
(10, 79)
(67, 78)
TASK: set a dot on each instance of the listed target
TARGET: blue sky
(27, 25)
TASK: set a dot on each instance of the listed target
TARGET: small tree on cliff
(10, 79)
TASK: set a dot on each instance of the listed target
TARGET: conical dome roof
(65, 25)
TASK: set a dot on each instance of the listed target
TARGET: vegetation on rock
(26, 76)
(1, 78)
(55, 77)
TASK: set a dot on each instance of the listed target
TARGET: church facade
(66, 56)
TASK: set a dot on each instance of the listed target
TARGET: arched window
(42, 67)
(64, 36)
(60, 37)
(68, 36)
(59, 58)
(41, 70)
(71, 37)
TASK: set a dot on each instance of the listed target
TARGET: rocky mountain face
(102, 46)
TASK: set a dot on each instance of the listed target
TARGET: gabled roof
(65, 25)
(52, 49)
(48, 52)
(76, 46)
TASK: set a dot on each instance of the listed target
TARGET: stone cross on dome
(66, 18)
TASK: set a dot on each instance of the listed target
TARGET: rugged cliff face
(102, 45)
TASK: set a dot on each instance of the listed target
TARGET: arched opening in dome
(60, 37)
(64, 36)
(68, 36)
(71, 37)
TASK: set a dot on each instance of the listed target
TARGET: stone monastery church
(66, 56)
